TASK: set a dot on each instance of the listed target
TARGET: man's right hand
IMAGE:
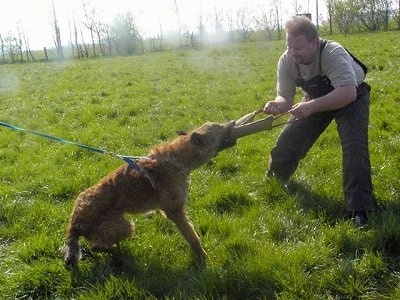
(272, 108)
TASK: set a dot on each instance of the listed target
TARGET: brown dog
(161, 183)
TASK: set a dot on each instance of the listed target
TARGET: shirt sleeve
(338, 66)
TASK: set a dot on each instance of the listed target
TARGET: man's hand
(302, 110)
(278, 106)
(272, 108)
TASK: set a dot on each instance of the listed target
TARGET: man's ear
(315, 43)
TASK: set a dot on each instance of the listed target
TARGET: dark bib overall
(320, 85)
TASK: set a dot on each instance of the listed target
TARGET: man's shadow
(382, 232)
(318, 203)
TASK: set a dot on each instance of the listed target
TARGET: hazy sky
(34, 17)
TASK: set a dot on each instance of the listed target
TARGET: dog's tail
(72, 251)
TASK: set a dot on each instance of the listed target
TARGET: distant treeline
(90, 37)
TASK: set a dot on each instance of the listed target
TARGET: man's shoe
(360, 218)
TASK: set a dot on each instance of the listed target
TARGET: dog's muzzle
(228, 140)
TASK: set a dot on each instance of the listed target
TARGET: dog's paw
(71, 256)
(199, 261)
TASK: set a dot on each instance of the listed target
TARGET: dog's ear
(147, 175)
(181, 132)
(198, 139)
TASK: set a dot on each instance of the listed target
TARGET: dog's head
(195, 148)
(214, 135)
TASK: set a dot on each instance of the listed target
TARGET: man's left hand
(302, 110)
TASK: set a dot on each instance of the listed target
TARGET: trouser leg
(293, 143)
(352, 123)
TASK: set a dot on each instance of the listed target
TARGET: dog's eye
(198, 139)
(181, 132)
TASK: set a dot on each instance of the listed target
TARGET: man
(333, 84)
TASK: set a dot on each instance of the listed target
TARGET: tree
(243, 22)
(77, 46)
(124, 34)
(3, 54)
(398, 16)
(296, 6)
(330, 4)
(94, 25)
(269, 19)
(345, 14)
(201, 28)
(373, 14)
(25, 42)
(105, 29)
(89, 22)
(107, 32)
(19, 43)
(179, 23)
(11, 44)
(57, 38)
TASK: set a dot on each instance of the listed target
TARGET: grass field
(263, 242)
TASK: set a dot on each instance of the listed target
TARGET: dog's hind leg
(110, 232)
(182, 222)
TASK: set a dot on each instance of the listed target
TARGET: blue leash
(128, 159)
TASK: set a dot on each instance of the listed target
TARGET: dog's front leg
(179, 217)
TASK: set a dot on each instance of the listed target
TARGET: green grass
(263, 242)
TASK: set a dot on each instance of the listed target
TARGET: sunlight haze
(34, 17)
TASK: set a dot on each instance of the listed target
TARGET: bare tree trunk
(161, 37)
(100, 43)
(179, 24)
(330, 7)
(93, 43)
(27, 48)
(141, 40)
(70, 38)
(398, 17)
(12, 54)
(19, 43)
(84, 45)
(21, 52)
(45, 53)
(76, 41)
(3, 55)
(108, 41)
(31, 54)
(201, 30)
(59, 47)
(152, 45)
(26, 51)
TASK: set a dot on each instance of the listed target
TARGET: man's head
(302, 39)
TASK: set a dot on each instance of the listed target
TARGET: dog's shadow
(156, 279)
(98, 268)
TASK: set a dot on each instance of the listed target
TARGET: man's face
(302, 51)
